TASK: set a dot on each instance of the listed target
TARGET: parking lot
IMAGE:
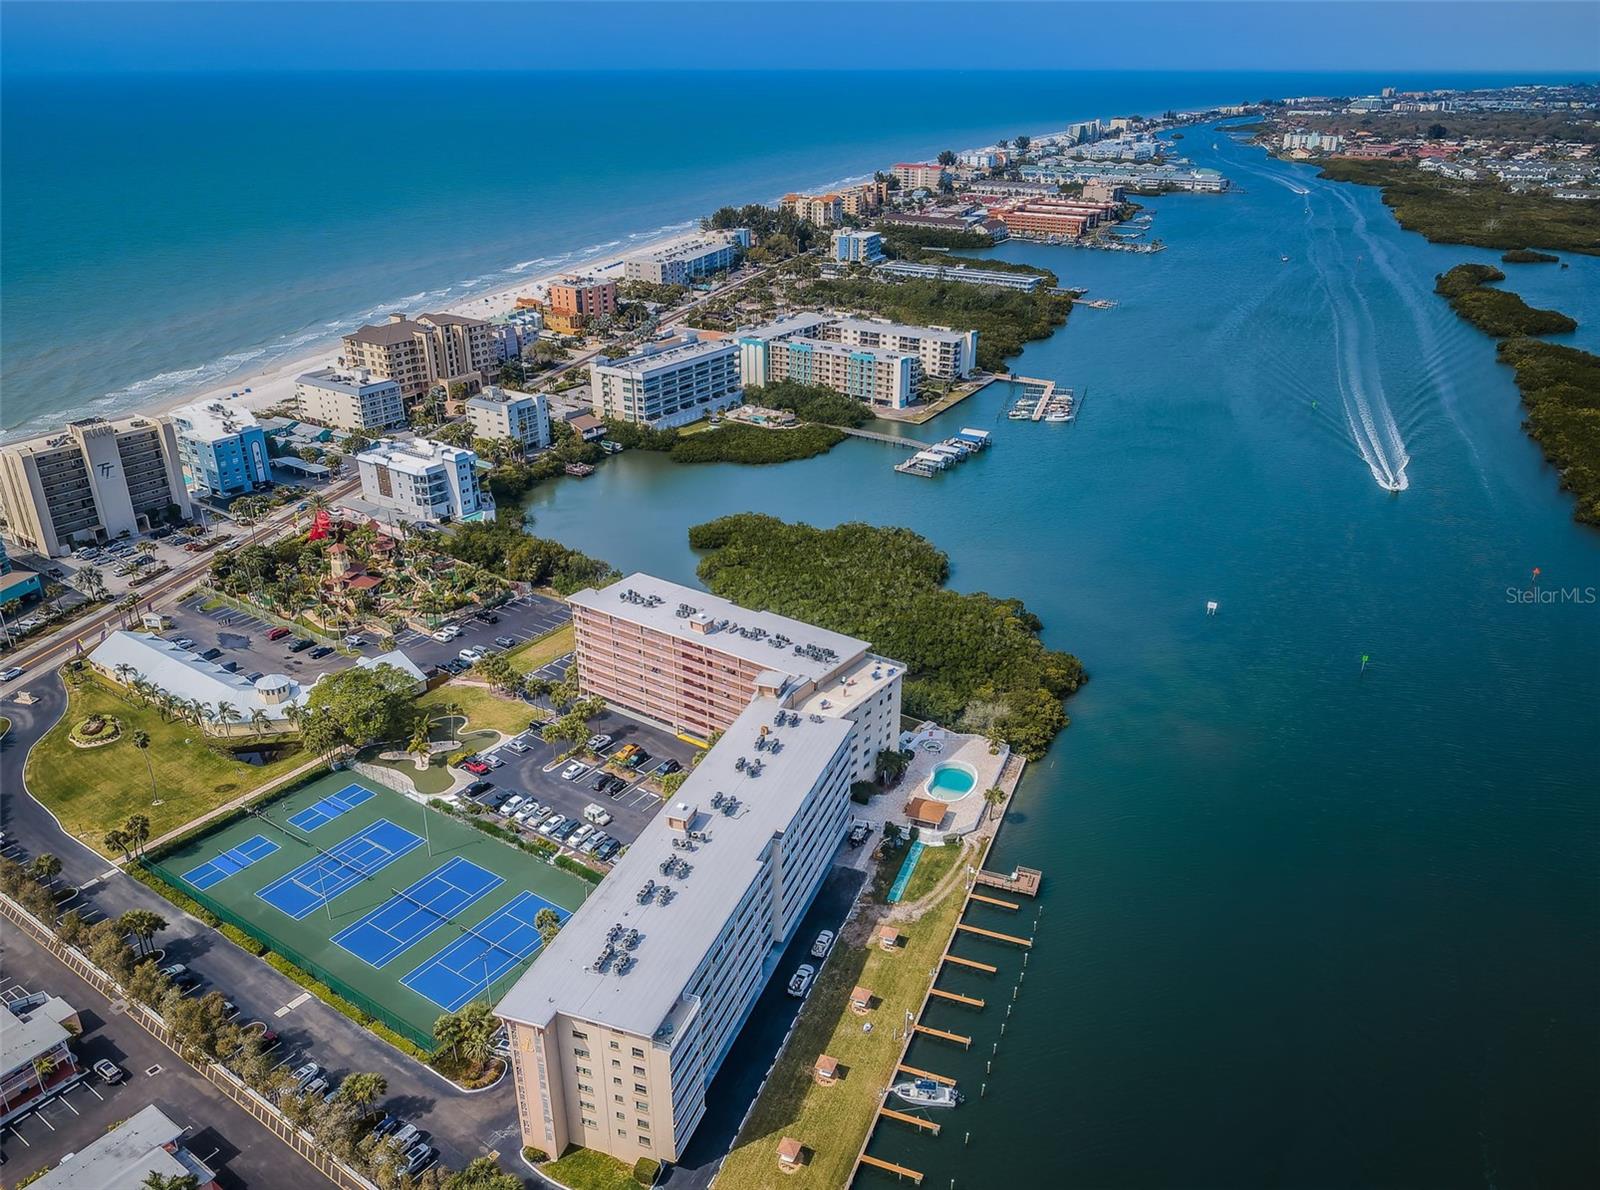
(242, 640)
(520, 620)
(536, 773)
(220, 1134)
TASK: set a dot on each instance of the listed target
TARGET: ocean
(166, 234)
(1305, 922)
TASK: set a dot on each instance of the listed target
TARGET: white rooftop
(344, 380)
(213, 419)
(414, 457)
(792, 324)
(677, 936)
(753, 635)
(672, 355)
(183, 673)
(21, 1041)
(124, 1157)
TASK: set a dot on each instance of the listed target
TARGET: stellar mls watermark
(1535, 592)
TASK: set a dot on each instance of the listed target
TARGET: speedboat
(1019, 415)
(924, 1092)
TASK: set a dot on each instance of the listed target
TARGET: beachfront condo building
(419, 353)
(944, 353)
(575, 301)
(524, 418)
(690, 661)
(905, 270)
(825, 210)
(349, 400)
(222, 448)
(618, 1029)
(919, 175)
(667, 384)
(856, 247)
(793, 348)
(94, 481)
(423, 480)
(687, 262)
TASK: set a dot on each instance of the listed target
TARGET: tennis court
(235, 859)
(329, 808)
(403, 911)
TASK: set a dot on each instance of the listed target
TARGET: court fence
(360, 1001)
(263, 1111)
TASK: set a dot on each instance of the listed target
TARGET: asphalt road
(463, 1126)
(224, 1136)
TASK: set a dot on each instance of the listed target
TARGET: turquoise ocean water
(167, 233)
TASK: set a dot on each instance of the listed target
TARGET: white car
(448, 633)
(579, 835)
(800, 982)
(555, 824)
(354, 641)
(471, 654)
(573, 771)
(7, 675)
(518, 745)
(823, 944)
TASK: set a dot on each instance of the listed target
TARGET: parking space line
(40, 1116)
(19, 1136)
(89, 1088)
(68, 1103)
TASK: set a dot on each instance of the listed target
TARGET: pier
(891, 439)
(939, 455)
(1024, 880)
(943, 1035)
(946, 1080)
(996, 935)
(1047, 404)
(899, 1171)
(956, 997)
(907, 1118)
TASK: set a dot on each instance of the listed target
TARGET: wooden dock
(928, 1074)
(956, 997)
(899, 1171)
(1024, 880)
(891, 439)
(943, 1035)
(904, 1118)
(973, 963)
(981, 899)
(995, 934)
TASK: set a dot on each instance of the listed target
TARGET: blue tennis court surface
(236, 859)
(330, 808)
(317, 881)
(412, 914)
(470, 964)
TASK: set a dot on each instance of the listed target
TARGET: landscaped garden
(163, 768)
(590, 1169)
(831, 1121)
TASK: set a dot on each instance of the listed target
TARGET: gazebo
(888, 938)
(826, 1070)
(791, 1154)
(861, 999)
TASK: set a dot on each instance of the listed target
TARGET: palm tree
(226, 714)
(362, 1090)
(125, 673)
(92, 582)
(137, 829)
(142, 689)
(295, 713)
(420, 746)
(548, 923)
(203, 713)
(259, 722)
(993, 797)
(177, 1181)
(143, 925)
(165, 701)
(117, 840)
(141, 741)
(45, 868)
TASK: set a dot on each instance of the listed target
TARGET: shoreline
(274, 383)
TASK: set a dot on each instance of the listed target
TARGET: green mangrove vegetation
(810, 402)
(1497, 312)
(1527, 256)
(1561, 388)
(502, 548)
(753, 444)
(973, 661)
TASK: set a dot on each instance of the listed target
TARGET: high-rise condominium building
(422, 352)
(938, 351)
(667, 384)
(575, 301)
(680, 264)
(857, 247)
(423, 480)
(349, 400)
(792, 349)
(524, 418)
(94, 481)
(222, 448)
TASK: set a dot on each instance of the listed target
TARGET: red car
(476, 767)
(278, 633)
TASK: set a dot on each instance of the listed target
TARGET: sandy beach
(263, 390)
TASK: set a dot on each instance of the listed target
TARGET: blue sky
(67, 36)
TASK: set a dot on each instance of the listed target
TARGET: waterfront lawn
(483, 708)
(832, 1121)
(553, 644)
(92, 790)
(1486, 214)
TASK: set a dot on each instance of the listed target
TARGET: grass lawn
(92, 790)
(482, 707)
(590, 1169)
(933, 867)
(529, 657)
(832, 1121)
(5, 726)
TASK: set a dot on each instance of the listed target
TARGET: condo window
(639, 1070)
(640, 1089)
(637, 1052)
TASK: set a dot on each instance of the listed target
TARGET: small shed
(826, 1069)
(790, 1153)
(861, 998)
(888, 938)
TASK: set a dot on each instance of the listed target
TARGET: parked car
(303, 1074)
(183, 642)
(579, 835)
(210, 654)
(471, 654)
(385, 1126)
(493, 761)
(317, 1086)
(109, 1071)
(446, 634)
(479, 787)
(354, 641)
(417, 1158)
(598, 815)
(278, 633)
(511, 804)
(573, 771)
(405, 1136)
(599, 743)
(519, 745)
(549, 829)
(476, 767)
(506, 642)
(823, 944)
(321, 651)
(301, 644)
(800, 981)
(606, 850)
(669, 766)
(487, 617)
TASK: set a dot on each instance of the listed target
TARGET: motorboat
(925, 1092)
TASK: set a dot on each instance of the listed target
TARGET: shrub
(645, 1170)
(536, 1156)
(861, 792)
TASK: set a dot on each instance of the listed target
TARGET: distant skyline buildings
(1313, 35)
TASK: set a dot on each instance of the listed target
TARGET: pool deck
(934, 746)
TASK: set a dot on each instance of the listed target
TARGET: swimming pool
(951, 781)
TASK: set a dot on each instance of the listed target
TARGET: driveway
(463, 1126)
(522, 619)
(221, 1134)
